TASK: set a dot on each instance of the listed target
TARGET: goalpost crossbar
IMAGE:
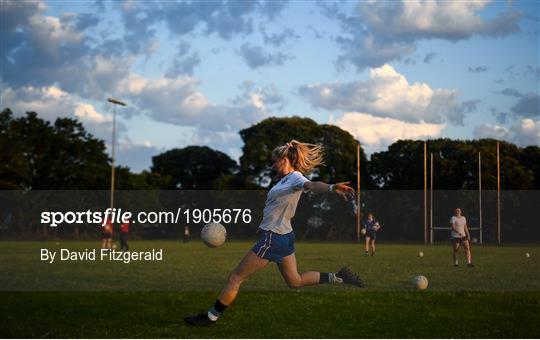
(448, 228)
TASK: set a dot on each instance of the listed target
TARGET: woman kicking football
(276, 237)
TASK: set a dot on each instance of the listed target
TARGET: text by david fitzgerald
(101, 255)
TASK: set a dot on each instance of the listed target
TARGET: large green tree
(455, 165)
(193, 167)
(262, 138)
(529, 157)
(145, 180)
(37, 155)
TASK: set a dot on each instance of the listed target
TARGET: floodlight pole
(480, 192)
(425, 192)
(498, 195)
(431, 201)
(358, 193)
(115, 103)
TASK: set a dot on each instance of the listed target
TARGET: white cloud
(136, 155)
(431, 19)
(492, 131)
(102, 75)
(228, 142)
(264, 98)
(40, 50)
(49, 102)
(48, 34)
(376, 133)
(34, 44)
(382, 31)
(87, 113)
(52, 102)
(176, 101)
(180, 102)
(525, 132)
(388, 93)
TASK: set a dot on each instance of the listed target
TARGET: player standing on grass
(124, 234)
(460, 235)
(276, 237)
(372, 227)
(106, 234)
(185, 237)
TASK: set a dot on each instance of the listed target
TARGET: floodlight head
(114, 101)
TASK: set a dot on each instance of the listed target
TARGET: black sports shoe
(470, 265)
(456, 265)
(349, 277)
(200, 320)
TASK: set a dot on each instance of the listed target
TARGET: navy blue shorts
(274, 247)
(371, 234)
(459, 239)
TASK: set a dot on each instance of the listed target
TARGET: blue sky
(198, 72)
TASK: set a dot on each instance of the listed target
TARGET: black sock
(216, 310)
(325, 278)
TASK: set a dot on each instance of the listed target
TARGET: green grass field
(498, 298)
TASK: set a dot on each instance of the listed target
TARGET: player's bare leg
(289, 271)
(248, 266)
(455, 248)
(467, 248)
(367, 246)
(372, 246)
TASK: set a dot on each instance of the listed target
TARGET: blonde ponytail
(304, 157)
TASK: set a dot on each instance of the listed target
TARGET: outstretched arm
(341, 189)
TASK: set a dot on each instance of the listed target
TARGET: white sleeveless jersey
(281, 203)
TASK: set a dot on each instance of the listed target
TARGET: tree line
(39, 155)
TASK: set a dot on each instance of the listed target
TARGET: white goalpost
(432, 228)
(479, 227)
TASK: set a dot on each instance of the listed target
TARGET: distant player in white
(276, 236)
(460, 235)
